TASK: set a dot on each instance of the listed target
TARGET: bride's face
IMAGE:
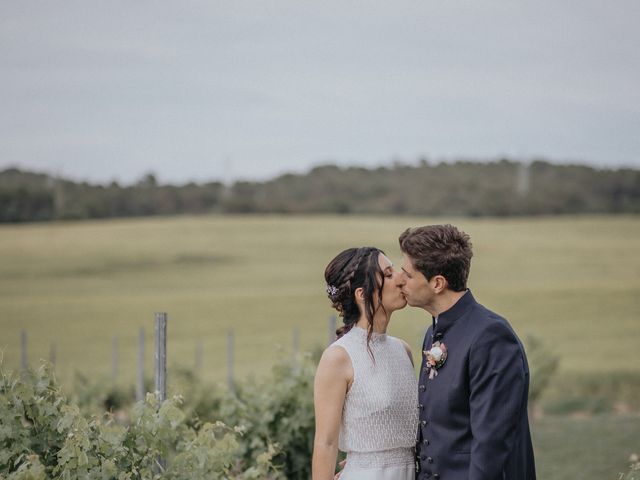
(392, 297)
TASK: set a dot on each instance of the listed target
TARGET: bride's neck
(380, 322)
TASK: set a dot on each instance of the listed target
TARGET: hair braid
(350, 271)
(344, 275)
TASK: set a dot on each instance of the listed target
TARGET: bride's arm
(333, 376)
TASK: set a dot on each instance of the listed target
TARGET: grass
(592, 448)
(574, 282)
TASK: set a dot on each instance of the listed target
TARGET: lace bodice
(380, 410)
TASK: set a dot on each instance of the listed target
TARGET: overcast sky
(201, 90)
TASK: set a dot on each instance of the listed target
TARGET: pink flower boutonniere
(435, 357)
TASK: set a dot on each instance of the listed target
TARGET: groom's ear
(440, 283)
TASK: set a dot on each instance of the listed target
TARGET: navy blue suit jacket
(473, 414)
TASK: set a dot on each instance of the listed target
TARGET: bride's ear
(359, 294)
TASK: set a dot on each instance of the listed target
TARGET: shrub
(43, 435)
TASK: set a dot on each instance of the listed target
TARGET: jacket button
(422, 387)
(425, 441)
(424, 423)
(429, 459)
(421, 406)
(436, 476)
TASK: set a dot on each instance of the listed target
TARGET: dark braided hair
(352, 269)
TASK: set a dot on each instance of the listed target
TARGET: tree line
(464, 188)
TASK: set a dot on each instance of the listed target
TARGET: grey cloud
(198, 90)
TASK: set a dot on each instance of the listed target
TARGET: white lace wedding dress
(380, 415)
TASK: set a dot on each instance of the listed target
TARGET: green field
(591, 448)
(574, 282)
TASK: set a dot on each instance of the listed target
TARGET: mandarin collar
(447, 319)
(362, 334)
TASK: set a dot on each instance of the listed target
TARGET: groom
(474, 379)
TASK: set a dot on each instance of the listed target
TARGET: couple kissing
(465, 417)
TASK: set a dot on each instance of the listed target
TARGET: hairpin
(331, 290)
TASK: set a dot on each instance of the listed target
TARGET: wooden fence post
(161, 356)
(161, 366)
(230, 357)
(23, 350)
(53, 353)
(197, 366)
(296, 341)
(140, 390)
(332, 328)
(114, 360)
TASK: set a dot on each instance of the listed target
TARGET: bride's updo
(352, 269)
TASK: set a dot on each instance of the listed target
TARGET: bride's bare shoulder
(336, 360)
(335, 355)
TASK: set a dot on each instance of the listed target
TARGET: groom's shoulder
(489, 315)
(488, 320)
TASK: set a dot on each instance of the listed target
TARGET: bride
(365, 391)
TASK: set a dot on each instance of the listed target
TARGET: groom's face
(414, 285)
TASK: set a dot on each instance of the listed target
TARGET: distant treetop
(464, 188)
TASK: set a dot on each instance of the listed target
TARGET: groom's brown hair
(439, 250)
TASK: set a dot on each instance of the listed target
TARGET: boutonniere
(435, 357)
